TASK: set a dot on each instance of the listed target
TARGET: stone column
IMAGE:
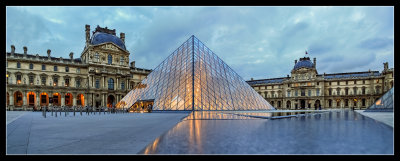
(62, 95)
(74, 98)
(24, 101)
(116, 86)
(102, 81)
(86, 99)
(11, 94)
(37, 99)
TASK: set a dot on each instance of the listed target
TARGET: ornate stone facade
(100, 77)
(305, 88)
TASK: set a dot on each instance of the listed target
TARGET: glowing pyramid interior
(194, 78)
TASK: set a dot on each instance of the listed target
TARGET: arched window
(111, 84)
(109, 59)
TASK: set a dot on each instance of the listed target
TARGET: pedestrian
(320, 107)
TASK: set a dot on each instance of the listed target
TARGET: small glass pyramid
(193, 78)
(383, 104)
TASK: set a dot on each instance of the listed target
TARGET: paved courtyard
(95, 134)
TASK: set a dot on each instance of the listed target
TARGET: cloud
(258, 42)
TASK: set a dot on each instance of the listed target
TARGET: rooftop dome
(101, 37)
(304, 62)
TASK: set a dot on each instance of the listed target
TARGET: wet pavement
(333, 132)
(126, 133)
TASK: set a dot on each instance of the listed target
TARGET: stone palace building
(101, 76)
(305, 88)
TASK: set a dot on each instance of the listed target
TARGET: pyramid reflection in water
(194, 78)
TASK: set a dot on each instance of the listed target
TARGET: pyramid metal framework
(385, 103)
(194, 78)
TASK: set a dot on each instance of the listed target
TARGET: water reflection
(314, 133)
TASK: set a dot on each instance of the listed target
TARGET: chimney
(12, 49)
(122, 36)
(87, 31)
(71, 55)
(48, 53)
(385, 66)
(25, 50)
(315, 62)
(133, 64)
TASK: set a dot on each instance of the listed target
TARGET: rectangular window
(363, 102)
(288, 93)
(295, 93)
(67, 82)
(43, 67)
(55, 68)
(66, 69)
(30, 66)
(18, 79)
(43, 80)
(303, 92)
(31, 80)
(123, 86)
(309, 92)
(78, 70)
(97, 83)
(317, 92)
(55, 81)
(78, 83)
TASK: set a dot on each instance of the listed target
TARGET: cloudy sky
(257, 42)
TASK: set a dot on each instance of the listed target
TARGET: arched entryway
(68, 99)
(31, 98)
(44, 99)
(302, 104)
(80, 100)
(317, 104)
(18, 99)
(110, 101)
(56, 99)
(288, 104)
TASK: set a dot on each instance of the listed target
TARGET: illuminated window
(18, 79)
(55, 81)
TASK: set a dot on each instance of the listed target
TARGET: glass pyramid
(383, 104)
(193, 78)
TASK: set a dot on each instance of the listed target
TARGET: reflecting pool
(333, 132)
